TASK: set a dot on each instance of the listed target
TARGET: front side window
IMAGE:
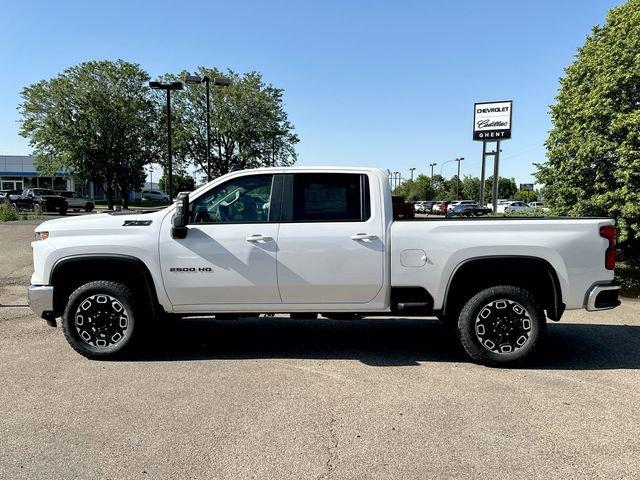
(330, 197)
(241, 200)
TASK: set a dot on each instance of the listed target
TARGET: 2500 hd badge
(191, 269)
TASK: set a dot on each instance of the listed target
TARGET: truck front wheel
(500, 325)
(99, 320)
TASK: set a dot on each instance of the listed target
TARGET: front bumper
(602, 297)
(41, 301)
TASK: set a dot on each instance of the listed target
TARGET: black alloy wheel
(99, 320)
(501, 325)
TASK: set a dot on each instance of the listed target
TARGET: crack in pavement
(331, 449)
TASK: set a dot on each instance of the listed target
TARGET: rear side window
(330, 197)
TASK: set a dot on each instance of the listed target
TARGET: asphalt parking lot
(278, 398)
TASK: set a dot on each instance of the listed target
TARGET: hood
(101, 223)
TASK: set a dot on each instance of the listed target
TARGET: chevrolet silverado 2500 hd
(317, 240)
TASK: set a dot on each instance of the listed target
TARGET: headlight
(41, 236)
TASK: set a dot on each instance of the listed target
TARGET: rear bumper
(602, 297)
(41, 301)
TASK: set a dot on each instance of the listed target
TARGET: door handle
(363, 236)
(258, 238)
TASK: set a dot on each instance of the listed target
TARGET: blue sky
(386, 84)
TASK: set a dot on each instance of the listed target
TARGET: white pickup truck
(309, 241)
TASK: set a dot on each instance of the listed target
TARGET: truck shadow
(379, 342)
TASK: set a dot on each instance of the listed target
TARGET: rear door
(331, 240)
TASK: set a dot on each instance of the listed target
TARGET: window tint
(330, 197)
(241, 200)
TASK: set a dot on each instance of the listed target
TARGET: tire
(492, 337)
(88, 207)
(37, 208)
(86, 327)
(62, 211)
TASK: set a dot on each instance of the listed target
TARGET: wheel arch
(69, 273)
(541, 277)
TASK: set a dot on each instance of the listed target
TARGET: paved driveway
(276, 398)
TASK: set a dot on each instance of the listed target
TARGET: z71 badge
(191, 269)
(137, 223)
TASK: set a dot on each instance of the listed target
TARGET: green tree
(526, 196)
(249, 125)
(418, 189)
(96, 120)
(470, 187)
(593, 149)
(181, 182)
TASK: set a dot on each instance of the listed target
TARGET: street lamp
(412, 169)
(167, 87)
(458, 178)
(221, 81)
(432, 165)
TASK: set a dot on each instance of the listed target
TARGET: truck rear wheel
(500, 325)
(99, 320)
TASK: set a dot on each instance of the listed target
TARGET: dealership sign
(492, 120)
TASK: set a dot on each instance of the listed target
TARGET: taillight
(609, 232)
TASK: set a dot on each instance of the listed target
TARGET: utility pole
(458, 179)
(412, 169)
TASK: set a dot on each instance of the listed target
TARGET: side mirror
(180, 218)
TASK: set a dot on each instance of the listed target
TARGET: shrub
(8, 213)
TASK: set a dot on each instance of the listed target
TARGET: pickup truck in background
(309, 241)
(44, 200)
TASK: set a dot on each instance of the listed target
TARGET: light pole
(221, 81)
(167, 87)
(396, 178)
(412, 169)
(458, 178)
(432, 165)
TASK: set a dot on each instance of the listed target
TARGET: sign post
(491, 123)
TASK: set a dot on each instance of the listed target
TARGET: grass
(10, 214)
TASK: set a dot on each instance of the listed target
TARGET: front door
(229, 253)
(331, 242)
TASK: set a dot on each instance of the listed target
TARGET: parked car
(155, 195)
(45, 200)
(77, 202)
(402, 208)
(420, 206)
(427, 206)
(15, 199)
(440, 207)
(538, 206)
(329, 244)
(468, 210)
(460, 202)
(514, 207)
